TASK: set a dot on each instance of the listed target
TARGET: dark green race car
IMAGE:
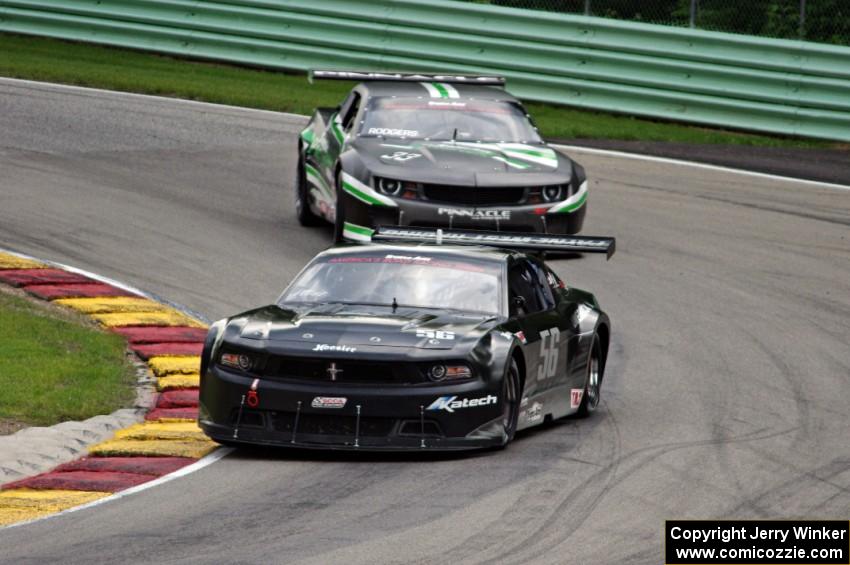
(433, 151)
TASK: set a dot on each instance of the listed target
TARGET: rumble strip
(170, 341)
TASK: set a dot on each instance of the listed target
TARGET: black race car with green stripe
(433, 151)
(425, 339)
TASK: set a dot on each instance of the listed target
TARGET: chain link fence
(825, 21)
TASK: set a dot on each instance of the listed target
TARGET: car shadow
(253, 452)
(249, 452)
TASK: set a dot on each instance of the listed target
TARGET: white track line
(219, 453)
(84, 89)
(720, 168)
(113, 282)
(610, 153)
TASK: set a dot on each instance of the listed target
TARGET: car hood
(345, 328)
(464, 163)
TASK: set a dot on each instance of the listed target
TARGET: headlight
(553, 192)
(237, 361)
(390, 187)
(449, 372)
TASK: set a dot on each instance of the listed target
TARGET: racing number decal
(548, 353)
(439, 334)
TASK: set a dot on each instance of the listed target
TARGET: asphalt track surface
(726, 394)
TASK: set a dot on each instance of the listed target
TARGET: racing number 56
(548, 353)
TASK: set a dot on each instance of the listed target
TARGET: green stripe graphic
(441, 89)
(361, 195)
(575, 205)
(360, 230)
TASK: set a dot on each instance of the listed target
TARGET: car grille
(474, 196)
(353, 372)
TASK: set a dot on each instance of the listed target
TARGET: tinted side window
(521, 282)
(541, 284)
(348, 111)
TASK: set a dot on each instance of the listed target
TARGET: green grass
(56, 367)
(120, 69)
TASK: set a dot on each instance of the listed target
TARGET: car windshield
(446, 119)
(411, 280)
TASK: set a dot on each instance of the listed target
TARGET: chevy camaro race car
(433, 151)
(428, 339)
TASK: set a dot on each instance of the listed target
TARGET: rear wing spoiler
(503, 240)
(361, 76)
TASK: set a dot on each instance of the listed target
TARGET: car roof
(475, 252)
(379, 88)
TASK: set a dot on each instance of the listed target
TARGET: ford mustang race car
(426, 339)
(432, 151)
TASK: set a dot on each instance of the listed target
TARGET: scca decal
(450, 403)
(329, 402)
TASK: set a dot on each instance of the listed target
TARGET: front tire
(593, 382)
(305, 216)
(339, 221)
(510, 400)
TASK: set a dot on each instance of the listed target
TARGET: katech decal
(394, 132)
(438, 334)
(521, 337)
(450, 403)
(575, 397)
(475, 213)
(329, 402)
(329, 347)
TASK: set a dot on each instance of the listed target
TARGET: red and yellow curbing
(169, 438)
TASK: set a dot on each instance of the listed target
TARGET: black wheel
(510, 402)
(339, 223)
(593, 382)
(306, 217)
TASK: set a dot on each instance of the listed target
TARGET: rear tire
(593, 382)
(305, 216)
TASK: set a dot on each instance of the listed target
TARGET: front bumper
(374, 418)
(418, 213)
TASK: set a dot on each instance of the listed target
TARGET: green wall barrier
(760, 84)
